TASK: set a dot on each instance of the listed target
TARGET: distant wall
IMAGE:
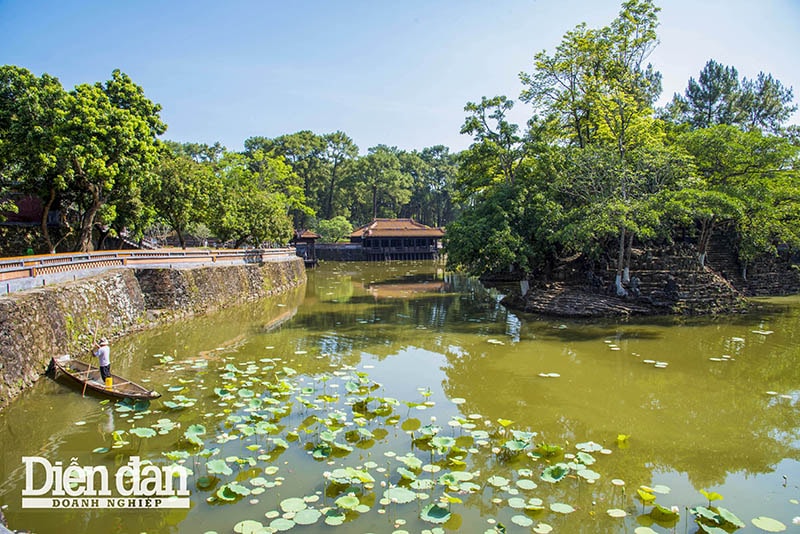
(340, 252)
(40, 323)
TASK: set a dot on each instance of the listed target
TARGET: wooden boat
(82, 374)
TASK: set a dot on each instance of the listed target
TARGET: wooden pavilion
(398, 239)
(305, 242)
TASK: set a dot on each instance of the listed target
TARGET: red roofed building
(305, 245)
(398, 239)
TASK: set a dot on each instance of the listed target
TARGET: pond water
(396, 397)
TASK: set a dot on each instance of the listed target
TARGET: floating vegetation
(367, 453)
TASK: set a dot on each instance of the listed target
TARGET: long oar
(86, 381)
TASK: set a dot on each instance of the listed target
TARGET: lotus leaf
(309, 516)
(730, 517)
(143, 432)
(282, 524)
(522, 520)
(589, 446)
(238, 489)
(711, 496)
(554, 473)
(768, 524)
(422, 484)
(400, 495)
(225, 493)
(543, 528)
(348, 502)
(516, 502)
(293, 504)
(526, 484)
(515, 445)
(705, 513)
(433, 513)
(176, 455)
(616, 512)
(405, 473)
(248, 526)
(498, 481)
(219, 467)
(562, 508)
(334, 517)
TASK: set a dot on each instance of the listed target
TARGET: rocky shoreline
(668, 282)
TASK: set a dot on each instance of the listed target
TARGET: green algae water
(396, 397)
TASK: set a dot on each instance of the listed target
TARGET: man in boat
(103, 353)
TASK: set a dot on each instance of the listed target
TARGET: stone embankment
(40, 323)
(669, 281)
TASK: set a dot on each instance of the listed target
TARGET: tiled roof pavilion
(396, 228)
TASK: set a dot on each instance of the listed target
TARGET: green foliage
(334, 230)
(182, 194)
(718, 97)
(88, 152)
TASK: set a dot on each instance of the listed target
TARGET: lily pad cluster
(363, 453)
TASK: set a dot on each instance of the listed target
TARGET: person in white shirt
(103, 353)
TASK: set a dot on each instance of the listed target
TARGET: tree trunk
(45, 216)
(181, 239)
(621, 291)
(331, 188)
(87, 220)
(374, 203)
(706, 229)
(626, 276)
(87, 223)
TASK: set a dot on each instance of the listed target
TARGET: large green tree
(597, 93)
(88, 150)
(745, 180)
(32, 110)
(251, 206)
(340, 151)
(379, 185)
(183, 191)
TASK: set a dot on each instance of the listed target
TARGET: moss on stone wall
(37, 324)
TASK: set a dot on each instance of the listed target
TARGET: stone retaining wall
(40, 323)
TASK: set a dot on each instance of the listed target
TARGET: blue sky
(392, 72)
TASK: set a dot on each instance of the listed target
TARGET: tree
(749, 180)
(246, 207)
(88, 150)
(719, 97)
(183, 192)
(340, 150)
(598, 92)
(380, 187)
(31, 112)
(334, 230)
(111, 131)
(498, 148)
(304, 152)
(433, 193)
(714, 97)
(765, 104)
(564, 85)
